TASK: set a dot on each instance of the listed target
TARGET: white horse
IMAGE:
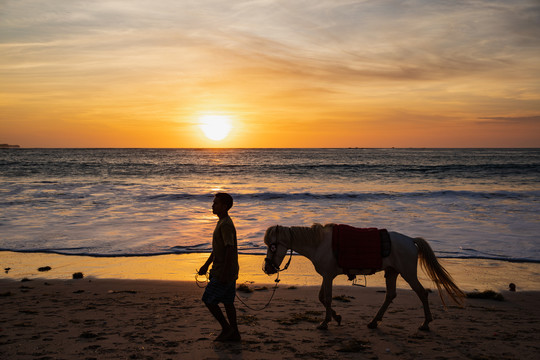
(315, 243)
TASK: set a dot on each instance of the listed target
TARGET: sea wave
(100, 170)
(360, 196)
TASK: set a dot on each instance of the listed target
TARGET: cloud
(357, 40)
(296, 60)
(535, 120)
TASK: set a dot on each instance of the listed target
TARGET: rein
(278, 270)
(238, 297)
(277, 280)
(269, 300)
(288, 262)
(200, 282)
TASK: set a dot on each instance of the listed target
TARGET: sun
(215, 127)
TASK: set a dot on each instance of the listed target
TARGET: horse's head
(274, 239)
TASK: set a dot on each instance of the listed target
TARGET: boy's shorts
(217, 292)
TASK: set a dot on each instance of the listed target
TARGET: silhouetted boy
(224, 272)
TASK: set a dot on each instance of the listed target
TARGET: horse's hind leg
(423, 295)
(325, 297)
(391, 277)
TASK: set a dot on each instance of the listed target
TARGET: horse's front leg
(325, 297)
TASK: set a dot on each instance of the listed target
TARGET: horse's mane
(300, 234)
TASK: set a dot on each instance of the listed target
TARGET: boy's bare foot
(228, 335)
(224, 335)
(234, 336)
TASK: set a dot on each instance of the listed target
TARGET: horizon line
(263, 148)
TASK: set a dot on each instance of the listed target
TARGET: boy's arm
(228, 234)
(204, 269)
(226, 275)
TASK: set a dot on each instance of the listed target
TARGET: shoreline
(469, 274)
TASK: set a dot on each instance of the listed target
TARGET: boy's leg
(214, 293)
(231, 315)
(218, 314)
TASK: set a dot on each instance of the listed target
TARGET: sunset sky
(325, 73)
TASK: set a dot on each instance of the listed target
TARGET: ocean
(468, 203)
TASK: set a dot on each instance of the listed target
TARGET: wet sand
(470, 274)
(101, 318)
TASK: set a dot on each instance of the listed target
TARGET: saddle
(360, 248)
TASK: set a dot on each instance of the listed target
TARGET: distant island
(7, 146)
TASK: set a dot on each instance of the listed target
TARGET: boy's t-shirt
(224, 235)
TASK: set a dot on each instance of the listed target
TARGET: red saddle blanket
(358, 248)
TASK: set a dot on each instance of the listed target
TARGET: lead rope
(205, 283)
(269, 300)
(239, 299)
(273, 290)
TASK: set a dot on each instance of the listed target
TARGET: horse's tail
(437, 272)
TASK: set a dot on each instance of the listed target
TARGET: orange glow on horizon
(375, 82)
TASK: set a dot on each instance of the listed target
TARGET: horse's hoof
(372, 325)
(322, 326)
(424, 328)
(338, 319)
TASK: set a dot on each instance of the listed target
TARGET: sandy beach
(99, 318)
(140, 319)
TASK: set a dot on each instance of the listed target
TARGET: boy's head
(225, 199)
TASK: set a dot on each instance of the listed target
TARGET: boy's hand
(203, 270)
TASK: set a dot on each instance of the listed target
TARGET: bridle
(273, 250)
(270, 260)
